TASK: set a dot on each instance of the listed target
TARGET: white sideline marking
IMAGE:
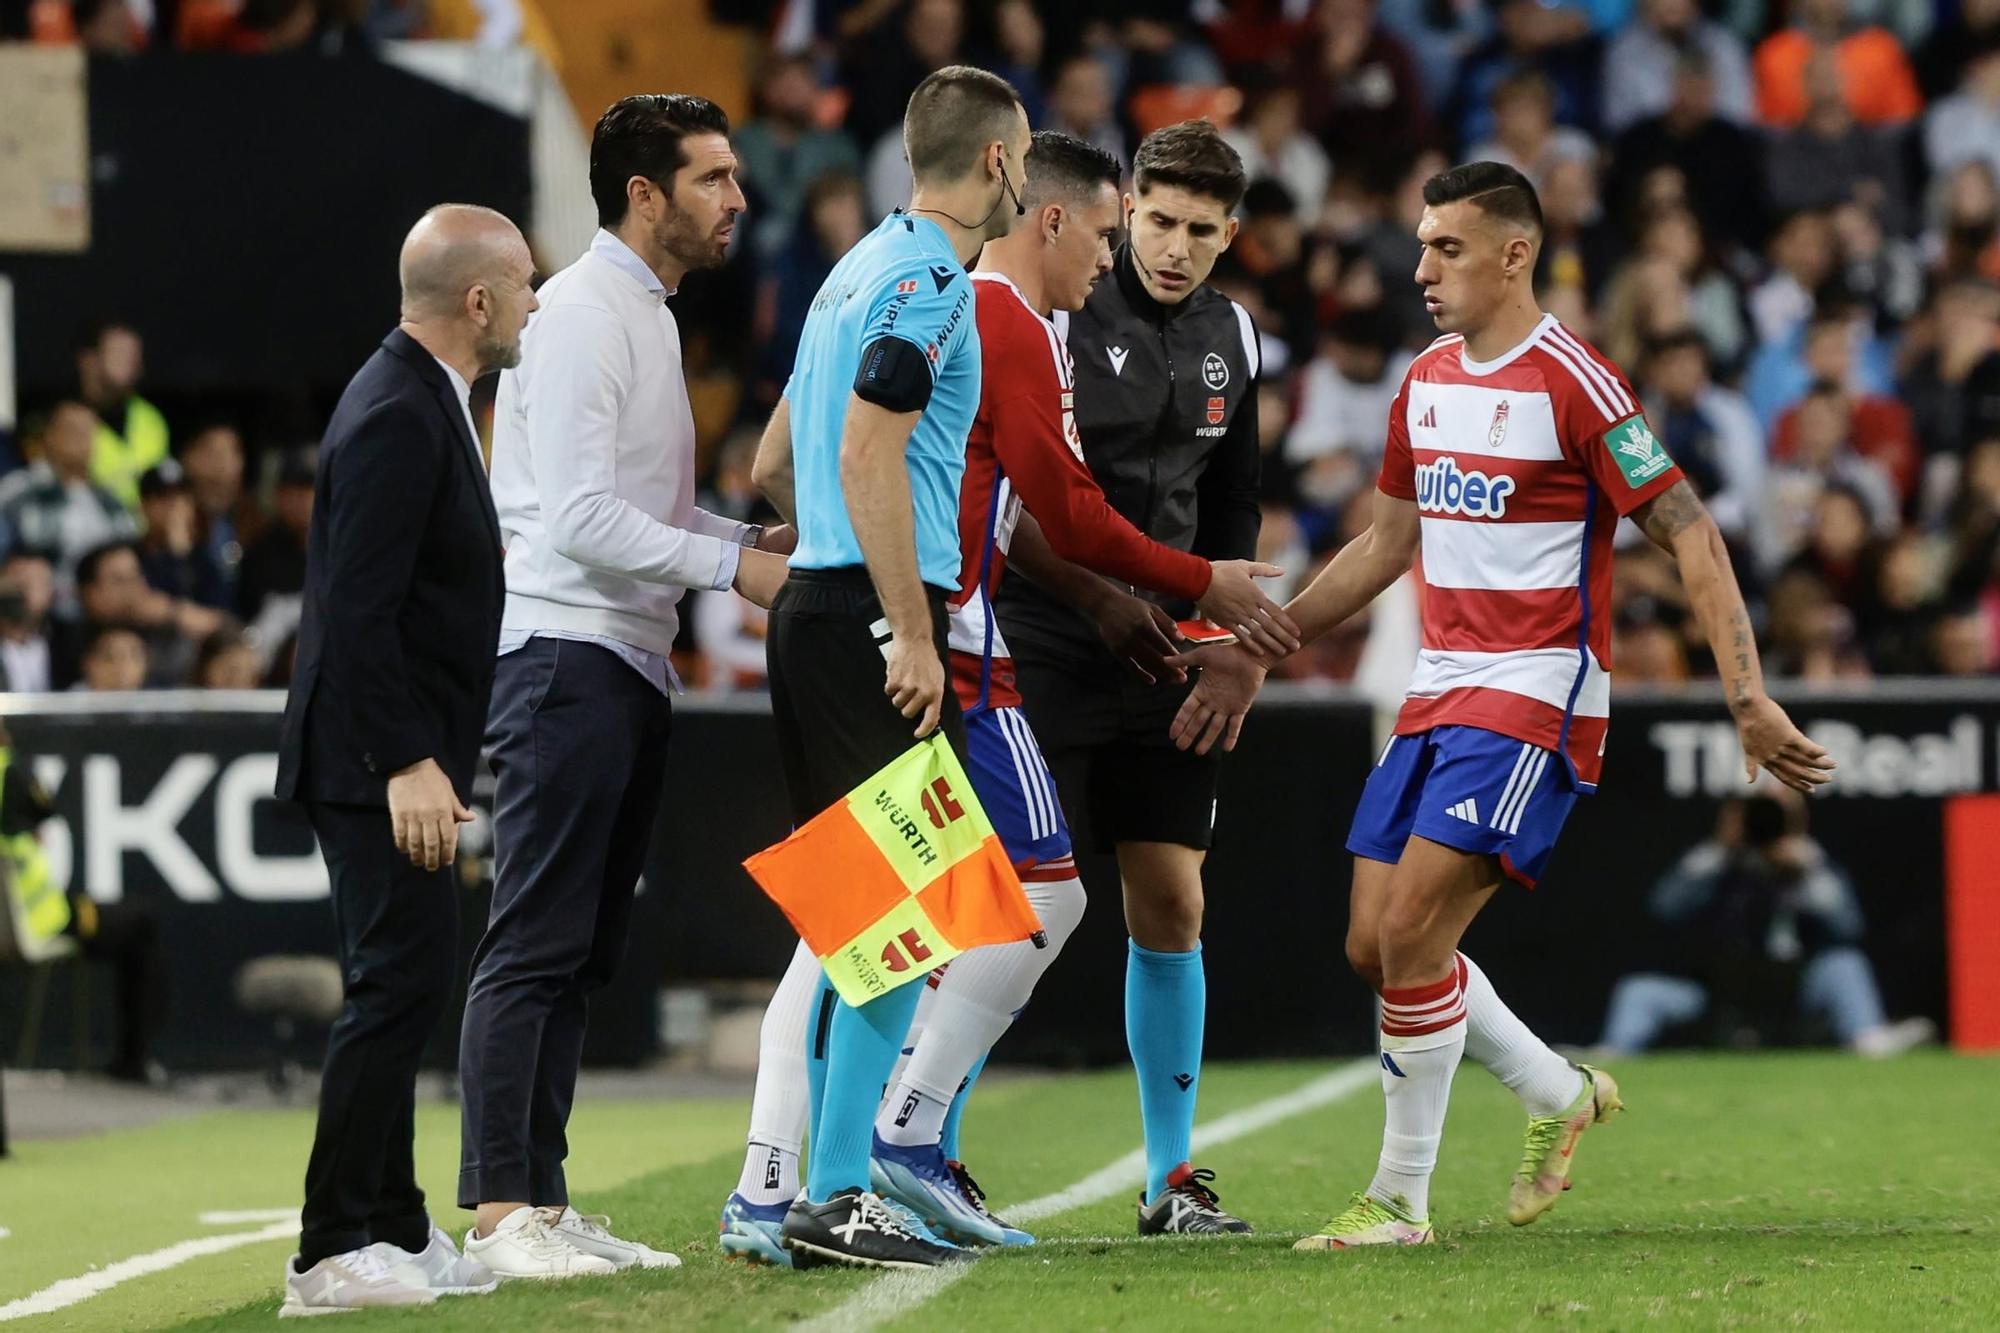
(74, 1290)
(896, 1294)
(242, 1217)
(4, 1233)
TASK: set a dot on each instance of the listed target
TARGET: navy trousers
(578, 743)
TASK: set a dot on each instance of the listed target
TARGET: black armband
(894, 374)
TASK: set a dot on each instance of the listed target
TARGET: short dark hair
(93, 560)
(643, 135)
(1062, 167)
(1193, 156)
(95, 635)
(1675, 340)
(91, 336)
(1268, 197)
(1492, 187)
(953, 114)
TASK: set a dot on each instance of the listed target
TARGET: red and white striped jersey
(1023, 450)
(1520, 468)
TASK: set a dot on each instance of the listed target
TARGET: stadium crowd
(1783, 220)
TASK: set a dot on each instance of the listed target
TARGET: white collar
(623, 257)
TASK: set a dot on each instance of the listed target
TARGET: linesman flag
(900, 876)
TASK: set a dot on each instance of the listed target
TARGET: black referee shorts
(1104, 734)
(835, 725)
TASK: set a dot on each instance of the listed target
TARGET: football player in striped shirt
(1513, 450)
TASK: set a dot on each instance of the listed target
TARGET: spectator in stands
(1973, 563)
(1966, 125)
(111, 589)
(1080, 105)
(1965, 240)
(1837, 343)
(1877, 426)
(227, 661)
(1648, 650)
(1271, 255)
(783, 151)
(1883, 270)
(885, 70)
(834, 221)
(1871, 73)
(1899, 616)
(1553, 39)
(1843, 550)
(1274, 148)
(1359, 90)
(275, 564)
(131, 434)
(1763, 929)
(1640, 65)
(212, 457)
(114, 658)
(1720, 162)
(27, 590)
(1671, 237)
(1811, 636)
(1579, 248)
(1954, 389)
(107, 27)
(1941, 60)
(1020, 46)
(1829, 158)
(58, 509)
(175, 560)
(1962, 643)
(1708, 429)
(1822, 458)
(1525, 134)
(1390, 249)
(1345, 394)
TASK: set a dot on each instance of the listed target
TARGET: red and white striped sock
(1423, 1036)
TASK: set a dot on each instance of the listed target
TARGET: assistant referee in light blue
(865, 454)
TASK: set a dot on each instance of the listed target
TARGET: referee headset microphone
(1007, 191)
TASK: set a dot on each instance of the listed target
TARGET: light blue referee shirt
(905, 281)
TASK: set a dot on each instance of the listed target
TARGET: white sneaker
(591, 1235)
(440, 1268)
(356, 1280)
(1893, 1039)
(523, 1246)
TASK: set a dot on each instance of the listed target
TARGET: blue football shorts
(1013, 784)
(1468, 788)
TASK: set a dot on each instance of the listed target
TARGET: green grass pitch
(1737, 1192)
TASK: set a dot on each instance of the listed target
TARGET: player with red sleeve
(1022, 446)
(1513, 450)
(1025, 479)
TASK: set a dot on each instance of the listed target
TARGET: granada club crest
(1498, 430)
(1216, 406)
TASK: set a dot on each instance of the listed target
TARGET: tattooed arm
(1678, 524)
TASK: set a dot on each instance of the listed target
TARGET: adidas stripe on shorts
(1468, 788)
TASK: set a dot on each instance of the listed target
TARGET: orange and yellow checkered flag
(899, 877)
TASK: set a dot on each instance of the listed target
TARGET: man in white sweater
(594, 482)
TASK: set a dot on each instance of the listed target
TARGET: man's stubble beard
(688, 245)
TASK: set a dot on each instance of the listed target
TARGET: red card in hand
(1202, 634)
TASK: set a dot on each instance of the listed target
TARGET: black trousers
(578, 743)
(398, 947)
(824, 650)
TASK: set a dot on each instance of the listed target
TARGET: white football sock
(778, 1109)
(1423, 1036)
(925, 1003)
(1545, 1082)
(981, 992)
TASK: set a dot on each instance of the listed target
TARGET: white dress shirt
(594, 469)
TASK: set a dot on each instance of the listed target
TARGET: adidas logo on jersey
(1467, 809)
(1443, 488)
(1429, 420)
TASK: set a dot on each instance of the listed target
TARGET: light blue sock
(819, 1035)
(949, 1143)
(1166, 1002)
(861, 1050)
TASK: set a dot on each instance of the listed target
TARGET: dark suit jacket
(403, 590)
